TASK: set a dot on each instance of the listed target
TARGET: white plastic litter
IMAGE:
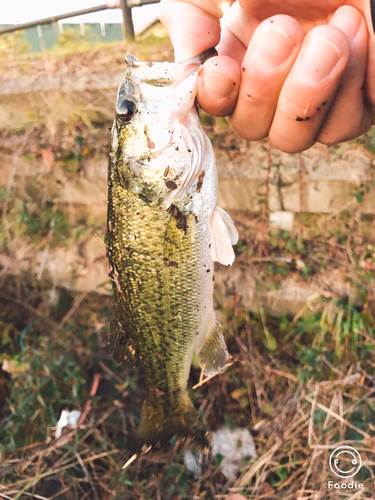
(67, 418)
(191, 462)
(233, 446)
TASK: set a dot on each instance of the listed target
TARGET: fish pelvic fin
(213, 354)
(159, 423)
(223, 236)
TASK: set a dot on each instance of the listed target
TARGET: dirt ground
(302, 382)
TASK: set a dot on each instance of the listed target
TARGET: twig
(337, 417)
(46, 248)
(203, 381)
(110, 372)
(332, 367)
(201, 374)
(28, 308)
(23, 493)
(73, 309)
(105, 244)
(87, 408)
(5, 496)
(16, 157)
(300, 178)
(311, 422)
(265, 328)
(130, 461)
(66, 467)
(268, 178)
(252, 363)
(341, 209)
(281, 373)
(88, 477)
(307, 475)
(246, 478)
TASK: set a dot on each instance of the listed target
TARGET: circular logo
(345, 461)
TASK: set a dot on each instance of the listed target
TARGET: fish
(164, 232)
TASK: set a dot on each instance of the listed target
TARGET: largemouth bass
(164, 232)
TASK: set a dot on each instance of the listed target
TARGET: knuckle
(300, 109)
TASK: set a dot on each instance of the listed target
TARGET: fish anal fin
(213, 354)
(223, 236)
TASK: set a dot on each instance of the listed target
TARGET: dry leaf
(48, 158)
(267, 488)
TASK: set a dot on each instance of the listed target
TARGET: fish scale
(159, 248)
(154, 293)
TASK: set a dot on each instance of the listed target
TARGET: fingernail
(218, 85)
(318, 59)
(272, 48)
(348, 22)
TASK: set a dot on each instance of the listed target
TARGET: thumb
(191, 28)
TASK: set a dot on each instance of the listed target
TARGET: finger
(309, 89)
(369, 86)
(268, 60)
(191, 28)
(347, 117)
(238, 21)
(230, 45)
(218, 84)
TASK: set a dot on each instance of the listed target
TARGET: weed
(40, 220)
(302, 383)
(13, 45)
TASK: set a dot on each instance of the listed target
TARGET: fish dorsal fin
(223, 236)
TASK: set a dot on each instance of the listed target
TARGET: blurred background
(297, 306)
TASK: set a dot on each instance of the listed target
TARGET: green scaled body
(160, 212)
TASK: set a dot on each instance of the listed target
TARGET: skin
(298, 71)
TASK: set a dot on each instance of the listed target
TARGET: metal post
(128, 25)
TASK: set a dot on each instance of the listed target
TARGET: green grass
(300, 383)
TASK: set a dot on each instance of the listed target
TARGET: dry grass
(302, 385)
(295, 424)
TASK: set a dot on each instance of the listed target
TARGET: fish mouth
(200, 58)
(156, 74)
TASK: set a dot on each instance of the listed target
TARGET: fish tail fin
(159, 423)
(213, 354)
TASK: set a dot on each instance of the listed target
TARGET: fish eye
(125, 111)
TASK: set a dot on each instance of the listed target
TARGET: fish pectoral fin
(223, 236)
(213, 355)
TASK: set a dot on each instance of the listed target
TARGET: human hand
(296, 71)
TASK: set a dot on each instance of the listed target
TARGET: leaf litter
(302, 388)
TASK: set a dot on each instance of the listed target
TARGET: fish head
(155, 117)
(144, 107)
